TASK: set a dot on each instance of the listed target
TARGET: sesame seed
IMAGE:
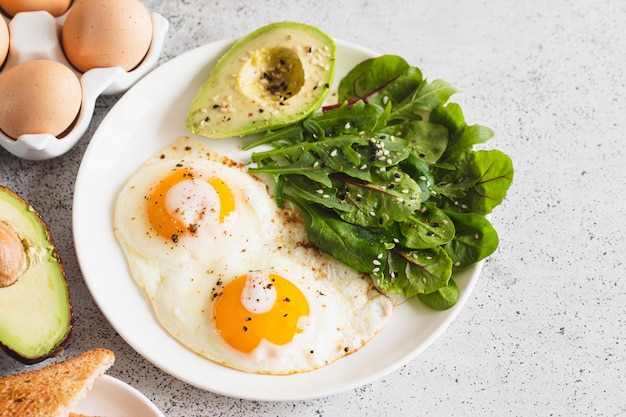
(376, 262)
(333, 152)
(319, 191)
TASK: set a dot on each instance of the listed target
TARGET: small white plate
(148, 118)
(111, 397)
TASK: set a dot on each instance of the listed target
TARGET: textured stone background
(544, 332)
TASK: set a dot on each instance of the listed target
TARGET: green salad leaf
(389, 182)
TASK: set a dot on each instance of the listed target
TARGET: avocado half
(275, 76)
(35, 311)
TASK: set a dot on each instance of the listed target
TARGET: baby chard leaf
(479, 181)
(443, 298)
(427, 140)
(426, 228)
(370, 76)
(391, 196)
(305, 165)
(313, 192)
(355, 246)
(414, 272)
(425, 98)
(475, 239)
(349, 119)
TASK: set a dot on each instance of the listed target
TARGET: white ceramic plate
(148, 118)
(112, 397)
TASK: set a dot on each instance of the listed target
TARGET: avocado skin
(59, 347)
(242, 95)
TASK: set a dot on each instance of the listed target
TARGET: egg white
(181, 279)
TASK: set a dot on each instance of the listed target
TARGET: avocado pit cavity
(271, 75)
(12, 255)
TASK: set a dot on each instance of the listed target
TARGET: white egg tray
(36, 35)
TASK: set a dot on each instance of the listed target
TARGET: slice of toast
(54, 390)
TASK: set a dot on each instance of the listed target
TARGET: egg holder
(36, 35)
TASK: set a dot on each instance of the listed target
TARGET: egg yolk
(168, 224)
(244, 329)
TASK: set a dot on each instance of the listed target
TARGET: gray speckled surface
(543, 334)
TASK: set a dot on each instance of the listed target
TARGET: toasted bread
(53, 391)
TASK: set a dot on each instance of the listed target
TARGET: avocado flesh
(275, 76)
(35, 311)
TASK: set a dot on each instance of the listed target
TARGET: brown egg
(54, 7)
(39, 96)
(106, 33)
(4, 40)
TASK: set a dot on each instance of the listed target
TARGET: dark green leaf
(443, 298)
(354, 246)
(427, 140)
(415, 271)
(426, 228)
(391, 196)
(479, 181)
(475, 239)
(370, 76)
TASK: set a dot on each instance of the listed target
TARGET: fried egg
(230, 275)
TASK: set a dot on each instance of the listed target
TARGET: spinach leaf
(426, 228)
(428, 140)
(474, 240)
(412, 272)
(478, 182)
(426, 97)
(391, 196)
(443, 298)
(370, 76)
(355, 246)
